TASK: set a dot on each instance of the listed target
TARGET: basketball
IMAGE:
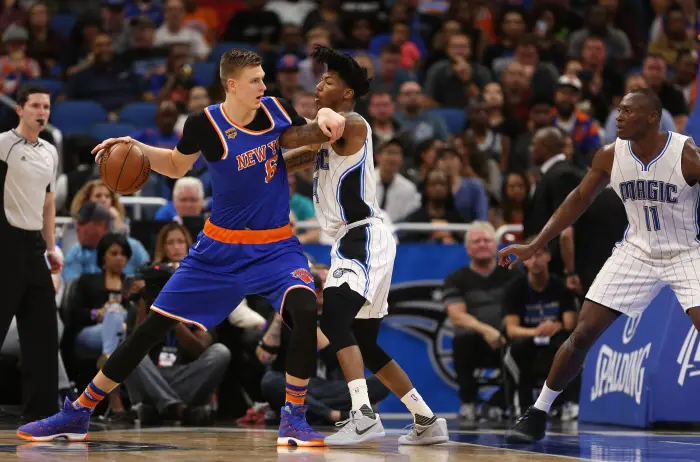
(124, 168)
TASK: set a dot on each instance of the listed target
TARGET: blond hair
(477, 226)
(84, 194)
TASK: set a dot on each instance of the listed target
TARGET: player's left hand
(55, 261)
(331, 123)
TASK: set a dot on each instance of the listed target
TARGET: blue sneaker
(70, 423)
(295, 431)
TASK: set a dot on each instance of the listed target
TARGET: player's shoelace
(343, 424)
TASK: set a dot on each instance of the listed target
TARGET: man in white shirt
(174, 31)
(397, 195)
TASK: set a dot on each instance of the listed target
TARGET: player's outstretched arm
(568, 212)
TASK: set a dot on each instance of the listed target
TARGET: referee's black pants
(26, 291)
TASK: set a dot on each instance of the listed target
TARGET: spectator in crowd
(690, 12)
(172, 244)
(95, 314)
(175, 31)
(584, 130)
(143, 54)
(310, 71)
(401, 36)
(447, 83)
(188, 201)
(543, 75)
(674, 37)
(686, 75)
(559, 178)
(494, 145)
(287, 84)
(437, 206)
(500, 119)
(466, 186)
(45, 45)
(305, 104)
(291, 41)
(105, 79)
(381, 111)
(255, 25)
(173, 79)
(180, 374)
(550, 30)
(326, 16)
(328, 396)
(12, 12)
(654, 72)
(201, 18)
(634, 82)
(416, 123)
(291, 11)
(599, 24)
(438, 49)
(197, 99)
(82, 38)
(515, 82)
(511, 26)
(303, 209)
(114, 23)
(390, 77)
(539, 314)
(16, 67)
(145, 8)
(479, 166)
(397, 195)
(423, 160)
(361, 34)
(540, 116)
(97, 191)
(516, 189)
(472, 297)
(93, 223)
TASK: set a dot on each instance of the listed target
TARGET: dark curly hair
(354, 75)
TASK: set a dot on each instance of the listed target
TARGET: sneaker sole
(427, 441)
(67, 436)
(288, 441)
(515, 437)
(371, 437)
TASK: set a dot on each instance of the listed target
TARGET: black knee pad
(366, 332)
(340, 306)
(132, 350)
(301, 313)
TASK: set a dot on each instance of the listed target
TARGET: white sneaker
(363, 425)
(433, 432)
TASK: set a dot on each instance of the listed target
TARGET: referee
(28, 168)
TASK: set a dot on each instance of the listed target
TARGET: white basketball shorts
(363, 257)
(630, 279)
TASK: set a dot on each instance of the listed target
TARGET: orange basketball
(124, 168)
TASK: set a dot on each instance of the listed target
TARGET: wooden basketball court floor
(174, 444)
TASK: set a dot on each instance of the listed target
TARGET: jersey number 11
(654, 212)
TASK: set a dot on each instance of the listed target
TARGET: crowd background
(464, 99)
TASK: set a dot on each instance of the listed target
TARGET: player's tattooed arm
(302, 135)
(301, 158)
(690, 162)
(354, 135)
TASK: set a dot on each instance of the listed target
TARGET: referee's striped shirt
(31, 173)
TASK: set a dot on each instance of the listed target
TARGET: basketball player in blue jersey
(362, 260)
(657, 177)
(246, 247)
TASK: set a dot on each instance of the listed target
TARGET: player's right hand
(331, 124)
(522, 252)
(107, 144)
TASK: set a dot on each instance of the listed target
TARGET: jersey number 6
(270, 168)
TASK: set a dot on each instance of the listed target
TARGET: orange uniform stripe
(247, 236)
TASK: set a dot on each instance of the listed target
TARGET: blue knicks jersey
(249, 183)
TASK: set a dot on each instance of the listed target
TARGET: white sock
(358, 393)
(414, 402)
(546, 398)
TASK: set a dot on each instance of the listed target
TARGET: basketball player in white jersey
(656, 175)
(362, 260)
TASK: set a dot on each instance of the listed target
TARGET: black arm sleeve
(200, 135)
(296, 118)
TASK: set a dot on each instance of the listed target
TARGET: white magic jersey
(661, 207)
(347, 209)
(660, 247)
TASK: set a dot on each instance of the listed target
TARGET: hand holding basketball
(124, 167)
(107, 144)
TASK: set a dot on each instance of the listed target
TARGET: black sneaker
(529, 428)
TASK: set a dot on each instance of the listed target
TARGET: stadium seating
(142, 115)
(456, 119)
(77, 117)
(102, 131)
(204, 73)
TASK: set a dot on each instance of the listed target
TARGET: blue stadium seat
(77, 117)
(102, 131)
(204, 73)
(456, 119)
(142, 115)
(63, 23)
(223, 47)
(54, 86)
